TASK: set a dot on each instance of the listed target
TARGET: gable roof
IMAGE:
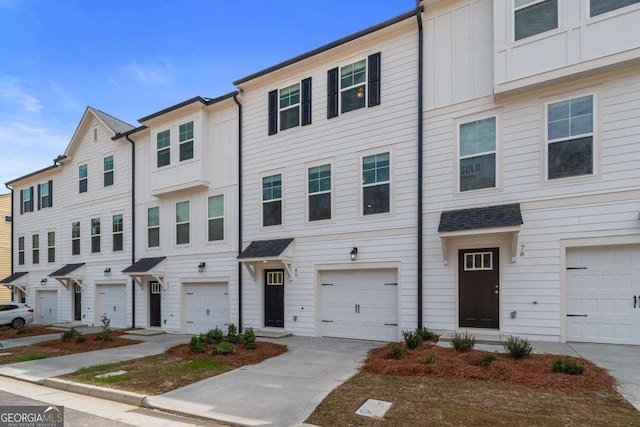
(265, 248)
(64, 271)
(13, 277)
(486, 217)
(116, 125)
(143, 265)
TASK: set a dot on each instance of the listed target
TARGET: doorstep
(271, 333)
(68, 325)
(145, 332)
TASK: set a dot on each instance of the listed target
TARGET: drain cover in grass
(111, 374)
(374, 408)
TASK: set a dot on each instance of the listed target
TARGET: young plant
(568, 366)
(425, 334)
(196, 345)
(518, 347)
(80, 339)
(396, 351)
(428, 359)
(225, 347)
(412, 339)
(463, 342)
(487, 359)
(5, 328)
(232, 333)
(69, 334)
(24, 330)
(249, 339)
(214, 336)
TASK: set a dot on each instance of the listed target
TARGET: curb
(120, 396)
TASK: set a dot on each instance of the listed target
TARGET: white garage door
(360, 304)
(112, 302)
(47, 302)
(207, 307)
(603, 294)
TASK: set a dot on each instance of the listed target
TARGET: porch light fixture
(43, 282)
(201, 267)
(107, 272)
(354, 254)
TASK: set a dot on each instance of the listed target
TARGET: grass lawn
(176, 368)
(57, 347)
(7, 332)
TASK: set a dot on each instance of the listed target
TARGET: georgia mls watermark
(31, 416)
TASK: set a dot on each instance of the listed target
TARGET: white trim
(146, 237)
(533, 3)
(209, 218)
(188, 222)
(290, 107)
(365, 84)
(390, 181)
(331, 163)
(610, 14)
(281, 199)
(447, 239)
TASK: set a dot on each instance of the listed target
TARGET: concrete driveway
(282, 391)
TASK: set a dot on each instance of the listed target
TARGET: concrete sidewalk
(37, 371)
(18, 342)
(282, 391)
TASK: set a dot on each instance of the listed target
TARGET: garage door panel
(601, 283)
(206, 307)
(112, 303)
(47, 307)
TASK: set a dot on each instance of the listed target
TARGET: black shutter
(374, 79)
(332, 93)
(31, 194)
(273, 112)
(21, 202)
(306, 101)
(38, 196)
(50, 193)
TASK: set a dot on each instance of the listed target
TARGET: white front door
(360, 304)
(112, 303)
(47, 306)
(206, 307)
(603, 294)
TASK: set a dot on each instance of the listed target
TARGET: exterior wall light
(354, 254)
(43, 282)
(201, 267)
(107, 272)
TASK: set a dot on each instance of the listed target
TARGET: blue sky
(132, 58)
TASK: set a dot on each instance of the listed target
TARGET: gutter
(133, 227)
(419, 9)
(235, 99)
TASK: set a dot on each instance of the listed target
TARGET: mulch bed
(534, 371)
(28, 331)
(241, 357)
(90, 344)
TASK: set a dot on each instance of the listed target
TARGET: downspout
(13, 220)
(133, 228)
(235, 99)
(420, 154)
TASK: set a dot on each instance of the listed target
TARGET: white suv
(15, 314)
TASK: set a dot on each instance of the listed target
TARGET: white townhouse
(329, 188)
(531, 179)
(72, 228)
(186, 213)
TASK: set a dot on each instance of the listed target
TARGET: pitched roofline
(129, 132)
(204, 101)
(48, 168)
(331, 45)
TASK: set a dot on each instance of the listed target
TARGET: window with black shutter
(354, 86)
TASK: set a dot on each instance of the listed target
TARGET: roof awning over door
(16, 280)
(70, 273)
(263, 251)
(154, 268)
(481, 221)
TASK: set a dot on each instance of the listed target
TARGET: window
(216, 218)
(108, 171)
(118, 232)
(95, 135)
(163, 144)
(51, 246)
(45, 195)
(21, 250)
(153, 227)
(182, 223)
(570, 138)
(478, 261)
(534, 17)
(272, 200)
(186, 141)
(8, 218)
(375, 184)
(75, 238)
(354, 86)
(598, 7)
(291, 106)
(26, 200)
(35, 248)
(82, 179)
(319, 187)
(477, 151)
(95, 235)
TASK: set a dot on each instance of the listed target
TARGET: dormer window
(186, 141)
(163, 145)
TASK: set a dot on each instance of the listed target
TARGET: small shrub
(24, 330)
(107, 333)
(80, 339)
(249, 339)
(196, 345)
(232, 333)
(225, 347)
(487, 359)
(214, 336)
(463, 342)
(518, 347)
(69, 334)
(396, 352)
(568, 366)
(5, 328)
(425, 334)
(411, 339)
(428, 359)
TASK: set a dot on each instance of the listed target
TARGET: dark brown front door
(155, 299)
(77, 302)
(274, 298)
(479, 278)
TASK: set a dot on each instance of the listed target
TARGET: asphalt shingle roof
(116, 125)
(64, 271)
(265, 248)
(143, 265)
(471, 219)
(13, 277)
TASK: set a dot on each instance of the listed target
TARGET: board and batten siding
(602, 206)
